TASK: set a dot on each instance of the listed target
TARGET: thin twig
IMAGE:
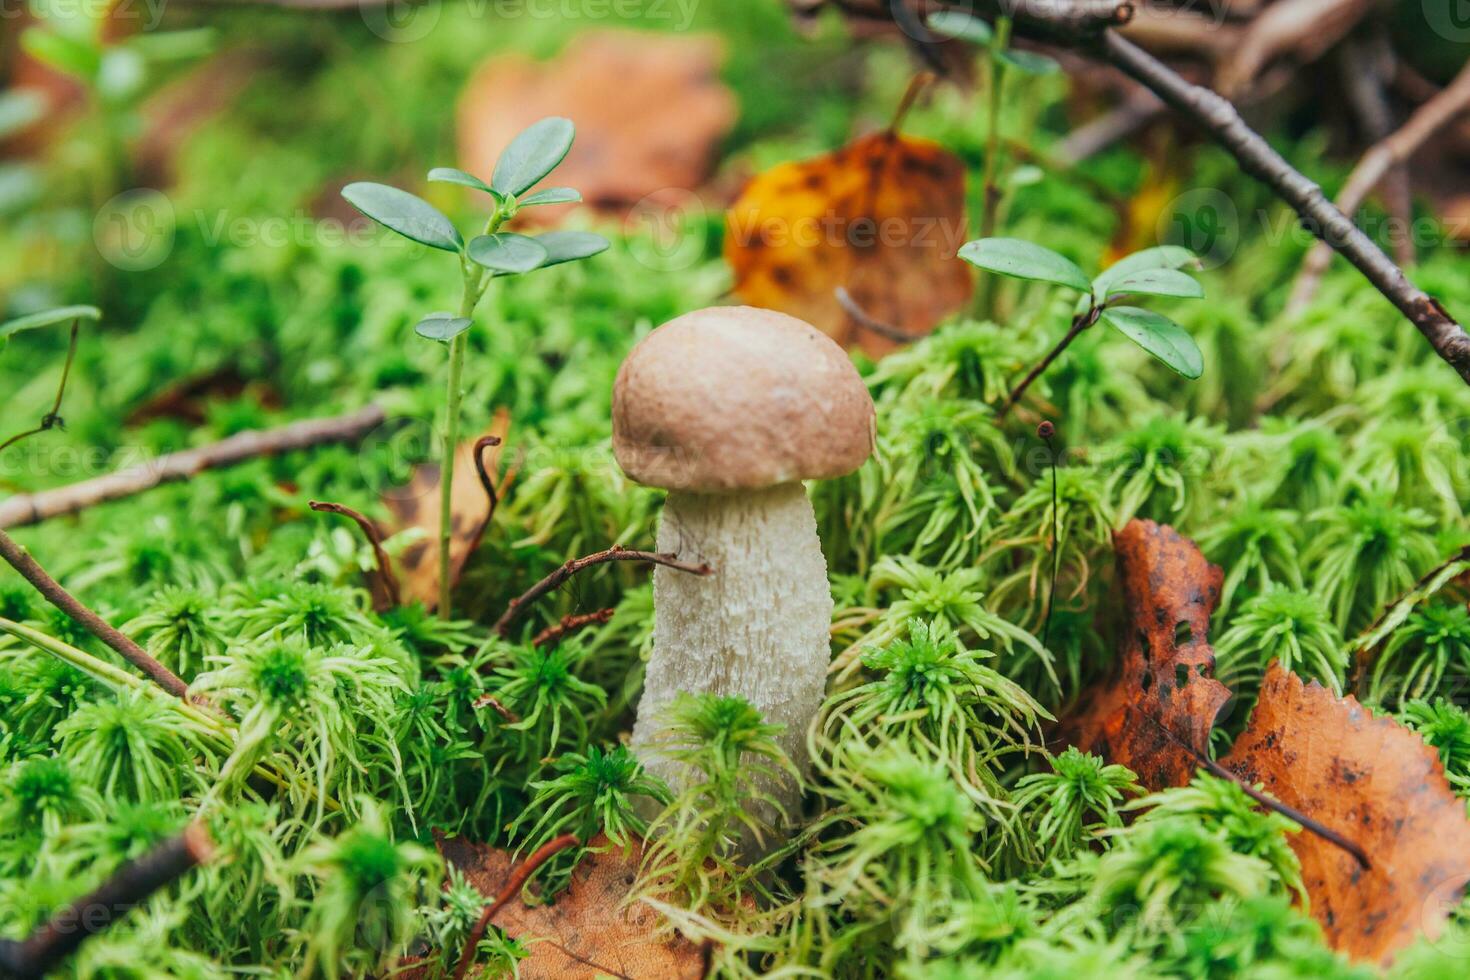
(1257, 158)
(1382, 157)
(1265, 799)
(45, 949)
(1080, 322)
(52, 419)
(20, 559)
(513, 885)
(571, 623)
(387, 579)
(1365, 69)
(481, 444)
(865, 320)
(1086, 141)
(24, 509)
(492, 702)
(1088, 27)
(575, 565)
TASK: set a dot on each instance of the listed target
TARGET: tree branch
(386, 577)
(575, 565)
(32, 508)
(1088, 26)
(45, 949)
(1257, 158)
(20, 559)
(571, 623)
(1382, 157)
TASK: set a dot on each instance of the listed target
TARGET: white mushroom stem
(757, 627)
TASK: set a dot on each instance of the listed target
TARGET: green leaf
(1028, 62)
(551, 195)
(508, 252)
(180, 45)
(1024, 260)
(46, 318)
(442, 326)
(1158, 282)
(570, 246)
(532, 155)
(1159, 257)
(409, 215)
(1160, 336)
(67, 54)
(451, 175)
(958, 24)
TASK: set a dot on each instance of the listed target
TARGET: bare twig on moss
(571, 623)
(52, 419)
(1257, 158)
(45, 949)
(1088, 27)
(866, 321)
(575, 565)
(1266, 800)
(32, 508)
(1380, 159)
(387, 579)
(513, 885)
(20, 559)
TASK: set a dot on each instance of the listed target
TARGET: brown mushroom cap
(739, 398)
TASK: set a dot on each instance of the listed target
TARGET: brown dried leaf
(884, 217)
(1163, 686)
(1376, 782)
(417, 505)
(650, 112)
(589, 931)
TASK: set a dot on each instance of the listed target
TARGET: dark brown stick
(864, 320)
(386, 577)
(513, 885)
(1267, 801)
(1080, 322)
(575, 565)
(1258, 159)
(481, 444)
(48, 946)
(52, 419)
(20, 559)
(1380, 159)
(24, 509)
(1088, 26)
(571, 623)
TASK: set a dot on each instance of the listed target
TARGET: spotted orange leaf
(882, 217)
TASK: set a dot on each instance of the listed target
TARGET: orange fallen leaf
(883, 217)
(1376, 782)
(650, 112)
(416, 505)
(1162, 701)
(590, 930)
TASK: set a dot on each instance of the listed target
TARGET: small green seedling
(493, 254)
(995, 46)
(35, 321)
(1151, 272)
(115, 73)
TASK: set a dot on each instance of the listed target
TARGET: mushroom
(729, 409)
